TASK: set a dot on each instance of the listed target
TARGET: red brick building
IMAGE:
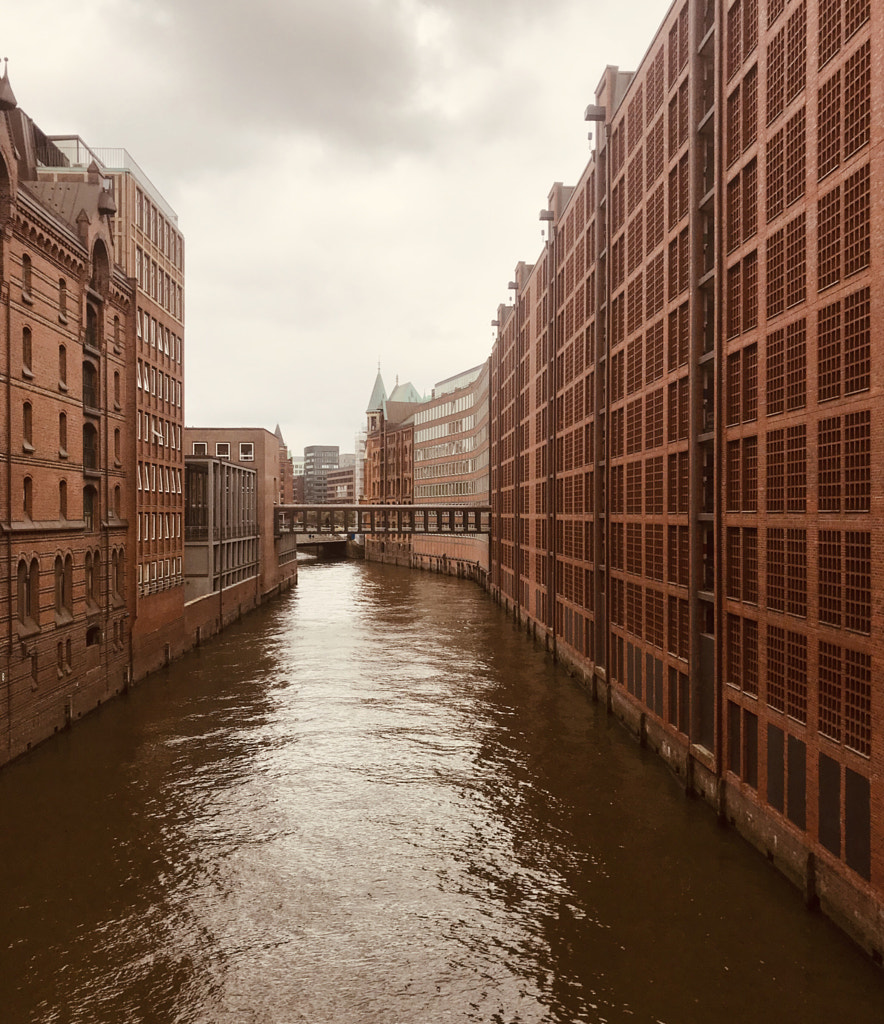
(150, 250)
(685, 405)
(389, 463)
(451, 447)
(66, 310)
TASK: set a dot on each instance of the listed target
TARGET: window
(90, 507)
(28, 497)
(63, 499)
(27, 427)
(62, 435)
(26, 278)
(28, 592)
(222, 449)
(90, 447)
(62, 301)
(27, 354)
(62, 368)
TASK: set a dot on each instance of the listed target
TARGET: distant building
(257, 449)
(318, 460)
(221, 541)
(389, 462)
(451, 448)
(286, 471)
(341, 486)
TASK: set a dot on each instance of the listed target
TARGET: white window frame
(246, 451)
(222, 449)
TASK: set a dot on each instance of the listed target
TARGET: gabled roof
(405, 393)
(378, 395)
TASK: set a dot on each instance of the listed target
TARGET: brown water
(376, 801)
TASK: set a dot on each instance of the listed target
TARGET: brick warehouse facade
(686, 401)
(149, 249)
(66, 312)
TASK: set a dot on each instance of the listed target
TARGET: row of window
(461, 426)
(158, 229)
(156, 335)
(159, 526)
(158, 479)
(155, 382)
(158, 431)
(222, 450)
(438, 412)
(449, 469)
(156, 283)
(28, 584)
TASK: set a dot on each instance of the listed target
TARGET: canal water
(376, 802)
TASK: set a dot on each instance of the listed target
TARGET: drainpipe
(7, 671)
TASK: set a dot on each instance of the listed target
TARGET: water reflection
(375, 801)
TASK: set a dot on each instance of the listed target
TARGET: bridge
(434, 520)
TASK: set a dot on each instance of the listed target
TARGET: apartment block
(685, 406)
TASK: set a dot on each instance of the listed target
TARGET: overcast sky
(355, 179)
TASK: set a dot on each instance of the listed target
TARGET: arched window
(62, 300)
(29, 592)
(88, 567)
(28, 497)
(92, 324)
(59, 585)
(68, 596)
(118, 501)
(63, 499)
(117, 387)
(90, 508)
(90, 386)
(117, 445)
(63, 434)
(27, 426)
(27, 352)
(63, 366)
(90, 446)
(26, 277)
(93, 636)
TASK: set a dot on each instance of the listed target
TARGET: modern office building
(685, 404)
(256, 449)
(451, 448)
(221, 537)
(318, 460)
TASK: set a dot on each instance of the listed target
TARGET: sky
(356, 180)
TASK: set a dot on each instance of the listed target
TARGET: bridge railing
(384, 519)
